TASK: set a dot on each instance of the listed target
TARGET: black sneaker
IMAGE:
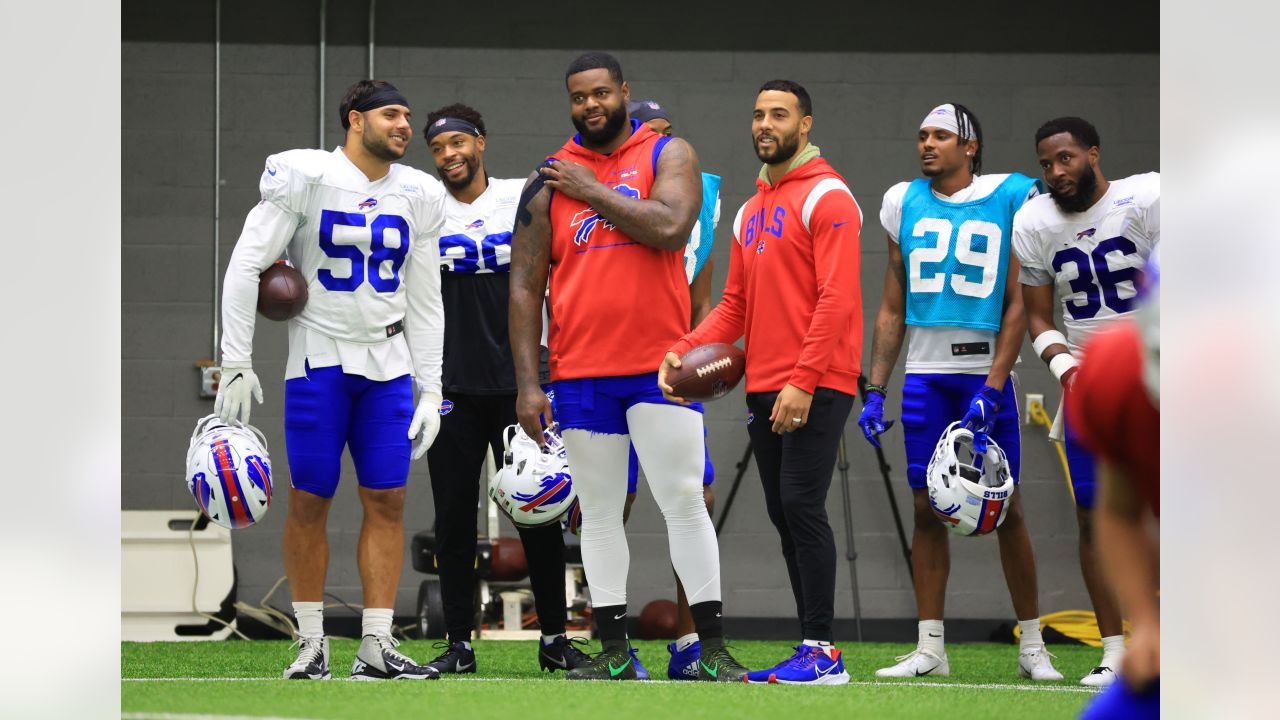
(456, 658)
(562, 654)
(377, 659)
(609, 664)
(715, 664)
(312, 662)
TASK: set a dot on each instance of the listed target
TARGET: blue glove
(872, 419)
(982, 415)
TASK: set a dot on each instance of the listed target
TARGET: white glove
(237, 384)
(426, 421)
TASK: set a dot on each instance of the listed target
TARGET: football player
(683, 664)
(1088, 239)
(608, 218)
(362, 229)
(945, 289)
(479, 390)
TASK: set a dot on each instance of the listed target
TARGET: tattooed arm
(664, 219)
(530, 262)
(891, 325)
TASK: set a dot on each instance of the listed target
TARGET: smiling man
(363, 231)
(608, 218)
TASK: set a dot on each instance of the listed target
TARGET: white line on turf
(196, 716)
(864, 683)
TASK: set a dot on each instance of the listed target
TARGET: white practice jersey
(1093, 257)
(476, 237)
(369, 252)
(929, 349)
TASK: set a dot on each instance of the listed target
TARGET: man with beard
(479, 391)
(945, 280)
(363, 232)
(608, 217)
(1089, 238)
(793, 291)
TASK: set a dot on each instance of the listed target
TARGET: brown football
(708, 372)
(282, 292)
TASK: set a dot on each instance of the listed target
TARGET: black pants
(795, 470)
(455, 461)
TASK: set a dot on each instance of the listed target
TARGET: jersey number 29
(987, 260)
(379, 253)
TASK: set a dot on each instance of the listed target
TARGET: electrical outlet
(1033, 400)
(210, 374)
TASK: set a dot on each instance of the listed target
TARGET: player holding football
(793, 291)
(945, 288)
(608, 217)
(1088, 239)
(683, 664)
(479, 391)
(363, 231)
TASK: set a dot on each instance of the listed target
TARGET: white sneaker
(378, 659)
(312, 662)
(1099, 677)
(1034, 663)
(917, 663)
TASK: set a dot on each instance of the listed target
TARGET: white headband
(944, 117)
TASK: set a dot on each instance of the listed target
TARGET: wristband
(1042, 341)
(1062, 363)
(870, 388)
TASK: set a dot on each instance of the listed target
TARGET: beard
(471, 164)
(784, 149)
(1082, 200)
(613, 123)
(380, 147)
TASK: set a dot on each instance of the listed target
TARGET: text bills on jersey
(1093, 257)
(362, 247)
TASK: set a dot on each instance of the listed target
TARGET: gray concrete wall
(867, 107)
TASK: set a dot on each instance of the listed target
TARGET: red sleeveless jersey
(615, 305)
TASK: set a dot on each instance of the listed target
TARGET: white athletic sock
(548, 639)
(1112, 651)
(669, 443)
(599, 462)
(310, 617)
(1029, 630)
(376, 621)
(822, 645)
(685, 641)
(932, 637)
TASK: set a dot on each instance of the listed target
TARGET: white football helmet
(533, 487)
(970, 498)
(229, 472)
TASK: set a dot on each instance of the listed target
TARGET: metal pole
(888, 488)
(320, 103)
(373, 4)
(217, 168)
(850, 553)
(733, 491)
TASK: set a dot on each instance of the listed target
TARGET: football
(282, 292)
(708, 372)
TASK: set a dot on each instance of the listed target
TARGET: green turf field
(184, 681)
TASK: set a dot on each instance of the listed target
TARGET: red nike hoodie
(793, 288)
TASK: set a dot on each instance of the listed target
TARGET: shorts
(600, 404)
(328, 410)
(932, 401)
(1081, 464)
(633, 466)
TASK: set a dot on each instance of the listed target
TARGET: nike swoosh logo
(825, 672)
(932, 635)
(836, 225)
(713, 672)
(232, 380)
(619, 617)
(271, 172)
(557, 661)
(398, 668)
(463, 668)
(926, 672)
(614, 672)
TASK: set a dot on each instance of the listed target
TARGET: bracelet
(870, 388)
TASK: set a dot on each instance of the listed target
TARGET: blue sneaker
(684, 663)
(809, 666)
(641, 673)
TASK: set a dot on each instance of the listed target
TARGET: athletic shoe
(715, 664)
(562, 654)
(641, 673)
(684, 663)
(809, 666)
(610, 664)
(312, 662)
(917, 663)
(1101, 676)
(457, 658)
(1034, 663)
(378, 659)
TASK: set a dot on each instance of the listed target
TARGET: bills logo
(446, 407)
(1086, 233)
(588, 220)
(369, 204)
(552, 489)
(476, 224)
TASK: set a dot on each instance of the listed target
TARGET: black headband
(451, 124)
(380, 98)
